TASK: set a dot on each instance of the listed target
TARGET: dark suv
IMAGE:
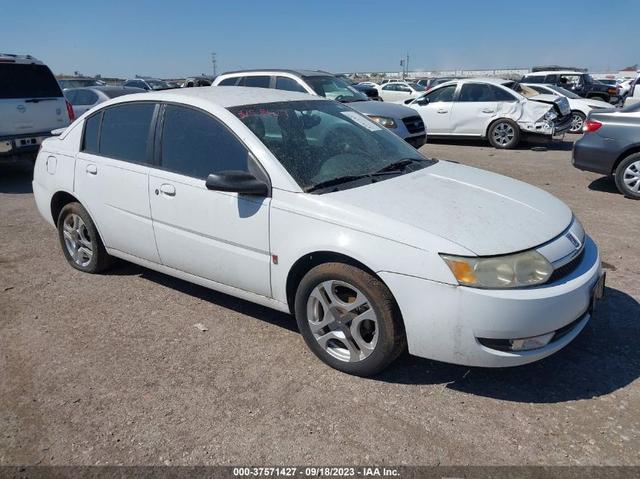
(580, 83)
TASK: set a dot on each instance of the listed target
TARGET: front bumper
(444, 322)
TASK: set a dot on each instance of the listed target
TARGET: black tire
(391, 341)
(629, 168)
(577, 121)
(504, 134)
(100, 259)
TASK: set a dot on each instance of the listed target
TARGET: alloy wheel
(77, 239)
(342, 320)
(577, 122)
(631, 176)
(503, 134)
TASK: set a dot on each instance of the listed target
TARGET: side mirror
(241, 182)
(422, 101)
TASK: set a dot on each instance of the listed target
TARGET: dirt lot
(111, 369)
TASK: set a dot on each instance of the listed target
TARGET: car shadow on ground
(555, 145)
(601, 360)
(15, 178)
(604, 184)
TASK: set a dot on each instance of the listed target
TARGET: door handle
(92, 169)
(167, 189)
(442, 110)
(487, 110)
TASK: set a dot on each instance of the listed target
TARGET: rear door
(476, 106)
(112, 176)
(30, 100)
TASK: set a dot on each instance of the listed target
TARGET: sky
(175, 38)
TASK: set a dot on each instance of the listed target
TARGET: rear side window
(231, 81)
(27, 81)
(534, 79)
(125, 132)
(256, 81)
(288, 84)
(91, 131)
(196, 144)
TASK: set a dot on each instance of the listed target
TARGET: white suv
(31, 105)
(301, 204)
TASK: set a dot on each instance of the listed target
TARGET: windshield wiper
(398, 165)
(336, 181)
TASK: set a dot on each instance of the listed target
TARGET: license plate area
(27, 142)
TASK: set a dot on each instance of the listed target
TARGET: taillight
(70, 112)
(590, 126)
(613, 90)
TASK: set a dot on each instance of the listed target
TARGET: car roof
(225, 96)
(301, 73)
(556, 72)
(107, 88)
(19, 59)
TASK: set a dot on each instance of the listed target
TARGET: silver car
(83, 99)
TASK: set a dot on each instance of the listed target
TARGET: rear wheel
(80, 241)
(504, 134)
(627, 176)
(349, 319)
(577, 121)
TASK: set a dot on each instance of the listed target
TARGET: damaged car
(493, 109)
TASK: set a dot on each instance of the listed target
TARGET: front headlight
(384, 121)
(510, 271)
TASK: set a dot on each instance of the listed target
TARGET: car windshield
(564, 92)
(323, 142)
(335, 89)
(158, 84)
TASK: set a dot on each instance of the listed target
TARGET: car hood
(382, 109)
(485, 213)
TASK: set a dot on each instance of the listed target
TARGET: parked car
(31, 105)
(399, 119)
(580, 107)
(611, 146)
(196, 81)
(371, 92)
(369, 84)
(304, 205)
(83, 99)
(429, 83)
(400, 91)
(634, 93)
(149, 84)
(580, 83)
(79, 82)
(490, 108)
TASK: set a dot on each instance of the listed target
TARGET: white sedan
(580, 107)
(400, 91)
(490, 108)
(304, 205)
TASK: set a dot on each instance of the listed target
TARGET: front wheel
(349, 319)
(80, 241)
(577, 122)
(504, 134)
(627, 176)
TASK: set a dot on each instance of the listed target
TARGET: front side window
(196, 144)
(320, 141)
(442, 94)
(288, 84)
(334, 89)
(125, 132)
(261, 81)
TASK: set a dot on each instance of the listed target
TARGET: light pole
(214, 62)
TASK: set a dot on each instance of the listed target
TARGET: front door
(436, 113)
(220, 236)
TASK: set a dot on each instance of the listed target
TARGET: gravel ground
(110, 369)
